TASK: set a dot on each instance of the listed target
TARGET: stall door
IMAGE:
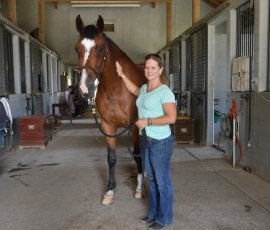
(175, 73)
(36, 79)
(3, 89)
(197, 81)
(6, 62)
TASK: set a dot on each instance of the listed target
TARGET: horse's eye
(99, 49)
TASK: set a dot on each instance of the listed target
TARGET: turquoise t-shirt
(150, 105)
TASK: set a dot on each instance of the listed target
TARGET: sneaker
(146, 220)
(155, 226)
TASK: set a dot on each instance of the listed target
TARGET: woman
(156, 111)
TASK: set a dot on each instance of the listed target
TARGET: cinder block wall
(257, 156)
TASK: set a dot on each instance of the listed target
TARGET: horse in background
(97, 55)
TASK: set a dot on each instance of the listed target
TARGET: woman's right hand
(128, 83)
(119, 69)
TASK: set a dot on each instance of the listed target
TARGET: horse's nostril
(85, 95)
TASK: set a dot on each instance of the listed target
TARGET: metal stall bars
(2, 62)
(245, 31)
(36, 79)
(245, 48)
(22, 65)
(197, 80)
(174, 72)
(6, 62)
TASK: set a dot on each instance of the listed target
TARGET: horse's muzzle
(87, 89)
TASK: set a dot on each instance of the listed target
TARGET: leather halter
(100, 70)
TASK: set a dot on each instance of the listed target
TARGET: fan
(226, 126)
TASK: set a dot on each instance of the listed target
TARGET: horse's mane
(110, 41)
(91, 31)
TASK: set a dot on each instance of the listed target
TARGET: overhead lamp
(105, 3)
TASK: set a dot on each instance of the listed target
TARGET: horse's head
(92, 50)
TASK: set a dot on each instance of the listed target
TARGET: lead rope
(129, 128)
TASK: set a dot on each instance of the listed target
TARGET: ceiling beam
(214, 3)
(196, 7)
(196, 11)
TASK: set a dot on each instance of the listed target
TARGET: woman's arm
(169, 117)
(128, 83)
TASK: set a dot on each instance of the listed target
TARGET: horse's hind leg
(139, 161)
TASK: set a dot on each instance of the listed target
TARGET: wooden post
(12, 16)
(41, 36)
(169, 20)
(196, 11)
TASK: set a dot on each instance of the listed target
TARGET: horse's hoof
(107, 200)
(138, 195)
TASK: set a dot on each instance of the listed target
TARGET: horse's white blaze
(96, 84)
(88, 44)
(83, 87)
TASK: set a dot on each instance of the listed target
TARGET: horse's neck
(116, 54)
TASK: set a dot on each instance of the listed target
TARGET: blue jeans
(157, 161)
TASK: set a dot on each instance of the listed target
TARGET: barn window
(245, 31)
(109, 27)
(245, 36)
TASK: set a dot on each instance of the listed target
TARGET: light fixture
(105, 3)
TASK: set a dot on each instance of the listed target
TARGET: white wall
(138, 31)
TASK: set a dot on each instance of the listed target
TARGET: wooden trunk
(184, 130)
(35, 131)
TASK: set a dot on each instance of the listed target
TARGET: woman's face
(152, 70)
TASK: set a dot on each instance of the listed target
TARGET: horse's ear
(100, 23)
(79, 24)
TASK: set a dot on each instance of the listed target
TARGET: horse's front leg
(108, 198)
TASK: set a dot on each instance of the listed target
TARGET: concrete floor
(60, 188)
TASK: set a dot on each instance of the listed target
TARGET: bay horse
(97, 55)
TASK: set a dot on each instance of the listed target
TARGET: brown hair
(163, 77)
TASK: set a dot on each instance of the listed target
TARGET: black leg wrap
(111, 162)
(138, 158)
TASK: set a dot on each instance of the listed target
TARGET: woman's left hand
(141, 123)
